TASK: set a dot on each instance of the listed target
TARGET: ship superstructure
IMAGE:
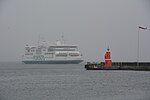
(58, 53)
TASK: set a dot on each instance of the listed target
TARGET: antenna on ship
(63, 40)
(39, 40)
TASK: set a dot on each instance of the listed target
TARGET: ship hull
(54, 62)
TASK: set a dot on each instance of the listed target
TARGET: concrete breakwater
(140, 66)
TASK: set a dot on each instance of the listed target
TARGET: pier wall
(145, 66)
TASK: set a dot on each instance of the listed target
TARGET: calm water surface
(71, 82)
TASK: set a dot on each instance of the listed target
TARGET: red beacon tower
(108, 61)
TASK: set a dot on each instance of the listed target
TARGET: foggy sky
(92, 24)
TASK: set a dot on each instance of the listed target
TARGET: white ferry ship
(58, 53)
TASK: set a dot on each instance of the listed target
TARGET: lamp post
(138, 47)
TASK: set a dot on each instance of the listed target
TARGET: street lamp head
(144, 28)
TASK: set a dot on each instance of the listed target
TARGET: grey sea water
(71, 82)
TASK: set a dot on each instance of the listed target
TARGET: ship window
(64, 49)
(73, 54)
(29, 54)
(61, 55)
(32, 50)
(63, 46)
(49, 53)
(50, 49)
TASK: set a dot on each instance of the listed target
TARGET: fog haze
(92, 24)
